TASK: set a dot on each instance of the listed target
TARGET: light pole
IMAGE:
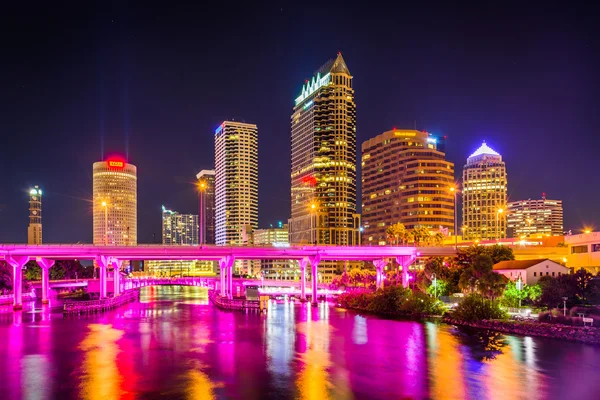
(519, 288)
(500, 211)
(434, 286)
(202, 189)
(565, 306)
(105, 223)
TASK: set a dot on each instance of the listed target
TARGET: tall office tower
(236, 181)
(323, 160)
(115, 203)
(179, 229)
(34, 230)
(484, 195)
(535, 218)
(405, 179)
(206, 197)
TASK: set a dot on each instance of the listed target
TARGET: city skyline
(482, 96)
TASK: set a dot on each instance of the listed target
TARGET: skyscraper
(115, 203)
(34, 231)
(236, 181)
(206, 197)
(484, 195)
(535, 218)
(323, 174)
(276, 237)
(405, 179)
(179, 229)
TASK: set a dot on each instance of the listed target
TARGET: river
(174, 344)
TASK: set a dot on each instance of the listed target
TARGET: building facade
(236, 181)
(115, 203)
(179, 229)
(206, 206)
(530, 271)
(535, 218)
(276, 269)
(584, 251)
(484, 195)
(34, 230)
(405, 179)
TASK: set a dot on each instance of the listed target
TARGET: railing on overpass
(74, 307)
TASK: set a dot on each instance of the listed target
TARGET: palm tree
(395, 233)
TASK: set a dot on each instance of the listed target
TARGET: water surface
(174, 344)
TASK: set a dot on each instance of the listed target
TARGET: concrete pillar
(226, 265)
(303, 263)
(379, 268)
(102, 262)
(17, 262)
(405, 262)
(45, 264)
(230, 284)
(314, 263)
(116, 276)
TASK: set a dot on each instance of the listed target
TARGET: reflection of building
(115, 203)
(584, 251)
(34, 231)
(406, 179)
(179, 267)
(278, 237)
(529, 271)
(179, 229)
(535, 218)
(484, 195)
(206, 196)
(236, 181)
(323, 173)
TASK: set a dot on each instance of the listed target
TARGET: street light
(519, 288)
(565, 306)
(434, 286)
(105, 222)
(500, 211)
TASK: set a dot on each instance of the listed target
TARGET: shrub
(358, 299)
(474, 307)
(392, 300)
(545, 316)
(421, 304)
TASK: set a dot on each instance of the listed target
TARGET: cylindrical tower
(115, 203)
(34, 231)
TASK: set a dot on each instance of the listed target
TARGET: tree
(491, 285)
(497, 253)
(396, 233)
(512, 296)
(33, 272)
(56, 272)
(583, 280)
(438, 288)
(534, 292)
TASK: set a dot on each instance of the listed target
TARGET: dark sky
(153, 80)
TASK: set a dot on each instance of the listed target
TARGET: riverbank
(580, 334)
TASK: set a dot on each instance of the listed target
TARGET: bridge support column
(45, 264)
(314, 263)
(116, 276)
(405, 262)
(379, 268)
(102, 262)
(226, 266)
(17, 262)
(303, 263)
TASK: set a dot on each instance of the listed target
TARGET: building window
(595, 247)
(547, 273)
(579, 249)
(552, 274)
(535, 274)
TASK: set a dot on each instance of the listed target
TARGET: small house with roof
(530, 271)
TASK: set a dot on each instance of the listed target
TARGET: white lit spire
(484, 149)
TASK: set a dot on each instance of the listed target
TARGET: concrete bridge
(106, 257)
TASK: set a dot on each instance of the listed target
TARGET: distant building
(530, 271)
(484, 195)
(115, 203)
(405, 179)
(168, 268)
(277, 237)
(179, 229)
(206, 196)
(236, 181)
(535, 218)
(584, 251)
(34, 231)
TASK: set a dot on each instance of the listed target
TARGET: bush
(474, 307)
(421, 304)
(392, 300)
(358, 299)
(388, 300)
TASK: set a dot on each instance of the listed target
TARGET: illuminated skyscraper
(535, 218)
(179, 229)
(206, 197)
(484, 195)
(236, 181)
(405, 179)
(115, 203)
(323, 192)
(34, 231)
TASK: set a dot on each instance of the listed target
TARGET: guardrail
(94, 306)
(233, 304)
(10, 298)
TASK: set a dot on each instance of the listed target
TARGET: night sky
(153, 80)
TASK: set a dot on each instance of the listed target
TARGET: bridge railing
(92, 306)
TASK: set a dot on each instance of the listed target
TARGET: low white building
(530, 271)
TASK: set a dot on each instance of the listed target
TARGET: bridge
(17, 255)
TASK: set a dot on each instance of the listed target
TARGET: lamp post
(519, 288)
(105, 223)
(565, 306)
(434, 286)
(202, 189)
(500, 211)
